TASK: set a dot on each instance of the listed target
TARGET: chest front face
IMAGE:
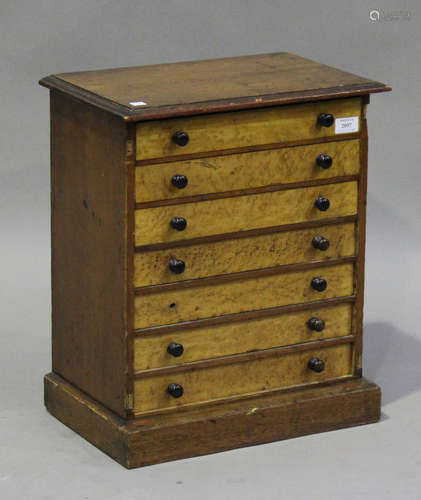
(267, 201)
(216, 238)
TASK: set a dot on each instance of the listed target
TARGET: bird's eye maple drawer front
(187, 345)
(244, 254)
(237, 129)
(241, 213)
(216, 174)
(232, 296)
(264, 373)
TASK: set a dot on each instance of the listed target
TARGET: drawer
(277, 371)
(257, 169)
(241, 213)
(239, 129)
(242, 254)
(152, 351)
(226, 297)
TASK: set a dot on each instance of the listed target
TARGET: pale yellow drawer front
(173, 306)
(241, 213)
(150, 351)
(243, 254)
(237, 129)
(246, 170)
(241, 378)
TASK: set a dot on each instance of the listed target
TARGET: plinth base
(161, 438)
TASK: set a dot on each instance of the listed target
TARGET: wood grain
(212, 79)
(211, 85)
(89, 191)
(246, 170)
(150, 351)
(197, 302)
(240, 128)
(232, 256)
(198, 431)
(255, 376)
(152, 225)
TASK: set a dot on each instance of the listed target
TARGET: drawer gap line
(245, 234)
(242, 275)
(246, 149)
(242, 316)
(246, 356)
(271, 188)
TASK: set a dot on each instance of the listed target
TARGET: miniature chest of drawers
(208, 231)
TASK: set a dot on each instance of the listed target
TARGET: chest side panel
(89, 251)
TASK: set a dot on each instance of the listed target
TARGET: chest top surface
(194, 87)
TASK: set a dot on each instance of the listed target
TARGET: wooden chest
(208, 230)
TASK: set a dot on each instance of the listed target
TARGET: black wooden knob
(319, 284)
(178, 223)
(179, 181)
(325, 120)
(176, 266)
(320, 243)
(324, 161)
(316, 324)
(322, 203)
(316, 364)
(175, 349)
(180, 138)
(176, 390)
